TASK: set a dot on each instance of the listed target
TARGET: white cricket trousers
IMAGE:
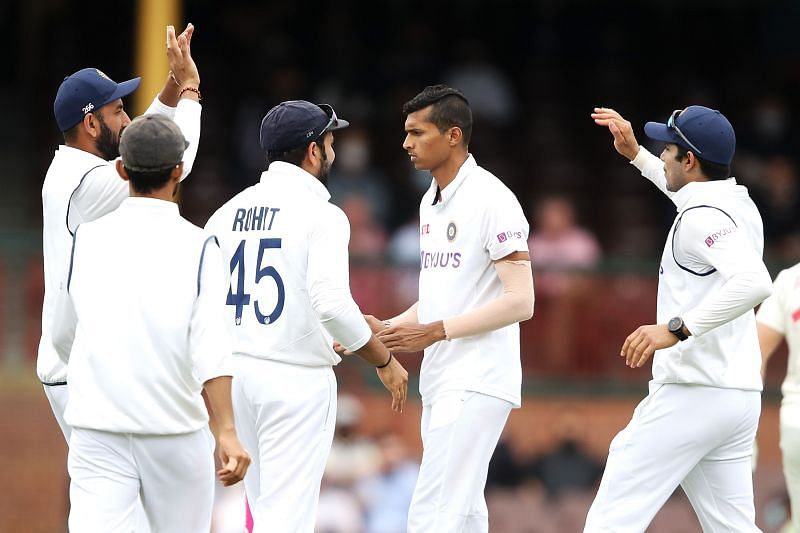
(174, 474)
(285, 418)
(698, 437)
(790, 450)
(460, 431)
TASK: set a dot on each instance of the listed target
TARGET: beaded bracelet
(193, 89)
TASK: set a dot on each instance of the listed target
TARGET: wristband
(384, 365)
(193, 89)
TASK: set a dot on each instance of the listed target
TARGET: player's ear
(455, 136)
(177, 172)
(121, 170)
(90, 124)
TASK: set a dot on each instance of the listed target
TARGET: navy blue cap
(85, 91)
(706, 132)
(296, 123)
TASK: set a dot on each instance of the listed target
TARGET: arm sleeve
(100, 191)
(652, 168)
(505, 229)
(772, 312)
(187, 116)
(328, 280)
(65, 319)
(514, 305)
(707, 239)
(209, 340)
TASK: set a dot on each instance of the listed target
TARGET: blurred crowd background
(532, 70)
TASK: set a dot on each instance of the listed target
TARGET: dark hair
(713, 171)
(295, 156)
(449, 108)
(147, 182)
(71, 135)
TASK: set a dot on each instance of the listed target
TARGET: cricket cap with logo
(86, 91)
(296, 123)
(704, 131)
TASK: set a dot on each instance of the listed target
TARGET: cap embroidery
(88, 108)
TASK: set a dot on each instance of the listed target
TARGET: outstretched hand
(179, 53)
(624, 140)
(411, 337)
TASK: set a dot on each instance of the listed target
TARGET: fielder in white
(141, 327)
(777, 319)
(697, 426)
(82, 183)
(475, 286)
(288, 298)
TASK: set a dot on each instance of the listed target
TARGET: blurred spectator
(505, 470)
(559, 250)
(567, 467)
(779, 203)
(367, 235)
(386, 495)
(355, 175)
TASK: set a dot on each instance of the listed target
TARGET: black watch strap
(675, 326)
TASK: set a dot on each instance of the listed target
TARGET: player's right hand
(179, 54)
(233, 457)
(395, 378)
(624, 139)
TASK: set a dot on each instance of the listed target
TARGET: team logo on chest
(452, 231)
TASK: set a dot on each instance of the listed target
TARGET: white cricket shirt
(781, 312)
(144, 300)
(477, 221)
(80, 187)
(711, 275)
(286, 248)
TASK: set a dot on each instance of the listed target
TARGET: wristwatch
(675, 326)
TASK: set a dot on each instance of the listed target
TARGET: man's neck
(86, 147)
(448, 170)
(164, 193)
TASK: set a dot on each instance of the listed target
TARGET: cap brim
(660, 132)
(124, 89)
(340, 124)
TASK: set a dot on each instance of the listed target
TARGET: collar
(285, 174)
(69, 151)
(153, 205)
(449, 191)
(714, 187)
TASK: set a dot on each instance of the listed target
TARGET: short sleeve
(772, 311)
(505, 229)
(707, 239)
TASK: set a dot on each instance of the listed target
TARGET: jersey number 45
(239, 299)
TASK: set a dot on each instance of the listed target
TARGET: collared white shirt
(717, 237)
(286, 246)
(781, 312)
(80, 187)
(141, 321)
(478, 221)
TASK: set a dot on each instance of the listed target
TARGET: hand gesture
(411, 337)
(179, 54)
(624, 139)
(395, 378)
(642, 343)
(233, 458)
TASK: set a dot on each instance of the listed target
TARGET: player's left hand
(411, 337)
(233, 457)
(642, 343)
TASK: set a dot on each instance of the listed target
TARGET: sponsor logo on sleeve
(503, 237)
(717, 235)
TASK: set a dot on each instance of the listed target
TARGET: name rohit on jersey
(431, 260)
(254, 218)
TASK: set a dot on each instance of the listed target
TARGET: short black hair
(449, 108)
(713, 171)
(295, 156)
(147, 182)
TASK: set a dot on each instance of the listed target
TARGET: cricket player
(288, 298)
(697, 426)
(141, 327)
(777, 319)
(82, 183)
(475, 285)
